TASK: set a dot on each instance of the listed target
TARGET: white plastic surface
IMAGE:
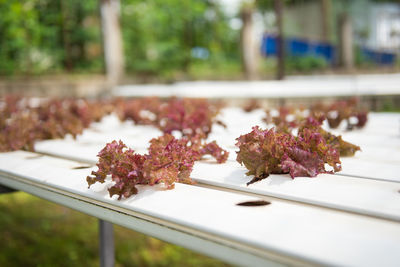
(379, 161)
(308, 233)
(367, 196)
(306, 86)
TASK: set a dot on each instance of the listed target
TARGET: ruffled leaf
(302, 163)
(265, 152)
(169, 160)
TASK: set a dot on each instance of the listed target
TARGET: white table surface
(291, 87)
(347, 219)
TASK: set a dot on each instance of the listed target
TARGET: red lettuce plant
(282, 122)
(345, 149)
(265, 152)
(190, 116)
(347, 110)
(144, 111)
(313, 123)
(10, 104)
(18, 132)
(124, 166)
(59, 117)
(251, 105)
(169, 160)
(22, 124)
(338, 111)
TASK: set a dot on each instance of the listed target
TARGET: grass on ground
(36, 232)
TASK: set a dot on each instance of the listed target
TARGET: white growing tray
(209, 220)
(351, 218)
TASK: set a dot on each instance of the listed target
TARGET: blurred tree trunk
(249, 60)
(346, 56)
(80, 42)
(112, 41)
(326, 9)
(280, 44)
(66, 36)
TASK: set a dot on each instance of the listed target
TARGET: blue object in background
(325, 50)
(299, 47)
(381, 58)
(268, 45)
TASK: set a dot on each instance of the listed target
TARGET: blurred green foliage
(166, 39)
(389, 104)
(161, 37)
(305, 64)
(39, 36)
(170, 36)
(36, 232)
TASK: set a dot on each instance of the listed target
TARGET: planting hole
(254, 203)
(81, 167)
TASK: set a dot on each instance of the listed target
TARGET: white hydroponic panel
(293, 86)
(373, 196)
(379, 157)
(285, 231)
(367, 196)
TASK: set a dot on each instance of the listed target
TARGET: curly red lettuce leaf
(299, 162)
(313, 141)
(286, 120)
(251, 105)
(144, 111)
(18, 132)
(342, 110)
(168, 161)
(345, 149)
(124, 166)
(261, 151)
(265, 152)
(362, 118)
(172, 159)
(54, 118)
(350, 111)
(215, 151)
(189, 116)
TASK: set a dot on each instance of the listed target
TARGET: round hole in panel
(254, 203)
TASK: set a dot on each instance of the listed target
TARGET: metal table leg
(106, 235)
